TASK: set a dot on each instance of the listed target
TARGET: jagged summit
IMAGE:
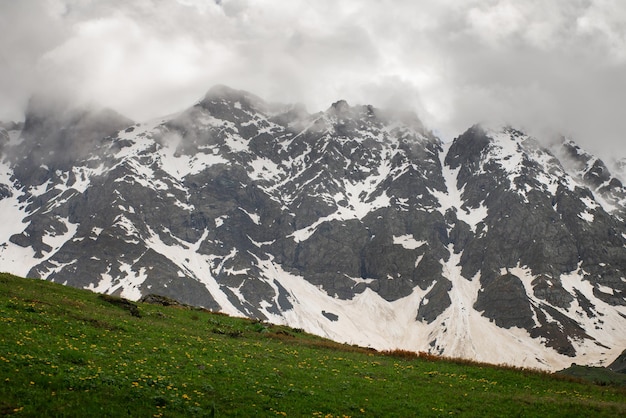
(245, 99)
(353, 223)
(606, 185)
(368, 113)
(340, 107)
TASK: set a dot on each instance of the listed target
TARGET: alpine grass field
(70, 352)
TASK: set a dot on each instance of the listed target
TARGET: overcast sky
(558, 64)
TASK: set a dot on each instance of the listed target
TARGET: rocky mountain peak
(340, 107)
(353, 223)
(238, 98)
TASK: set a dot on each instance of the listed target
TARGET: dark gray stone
(504, 301)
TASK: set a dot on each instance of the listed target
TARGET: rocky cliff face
(352, 223)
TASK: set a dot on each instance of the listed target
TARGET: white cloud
(126, 65)
(558, 64)
(498, 21)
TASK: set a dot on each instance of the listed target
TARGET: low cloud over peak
(557, 66)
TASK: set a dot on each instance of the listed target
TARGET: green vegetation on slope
(597, 375)
(69, 352)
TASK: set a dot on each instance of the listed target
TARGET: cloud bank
(557, 66)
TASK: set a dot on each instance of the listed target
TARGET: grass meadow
(70, 352)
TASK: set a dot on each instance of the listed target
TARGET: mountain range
(355, 223)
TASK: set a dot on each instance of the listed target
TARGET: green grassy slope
(597, 375)
(68, 352)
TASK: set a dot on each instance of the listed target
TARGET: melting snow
(260, 244)
(56, 241)
(265, 169)
(507, 151)
(132, 281)
(41, 189)
(17, 259)
(83, 177)
(453, 197)
(13, 215)
(550, 183)
(461, 331)
(590, 203)
(587, 216)
(607, 334)
(219, 221)
(253, 216)
(606, 205)
(360, 200)
(236, 143)
(180, 166)
(105, 283)
(195, 265)
(408, 242)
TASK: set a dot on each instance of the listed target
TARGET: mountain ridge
(353, 223)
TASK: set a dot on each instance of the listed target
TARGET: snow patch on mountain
(265, 169)
(131, 282)
(606, 204)
(179, 165)
(408, 242)
(104, 285)
(588, 318)
(198, 266)
(83, 176)
(599, 321)
(254, 217)
(356, 203)
(368, 320)
(587, 216)
(13, 215)
(452, 198)
(506, 151)
(56, 239)
(16, 258)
